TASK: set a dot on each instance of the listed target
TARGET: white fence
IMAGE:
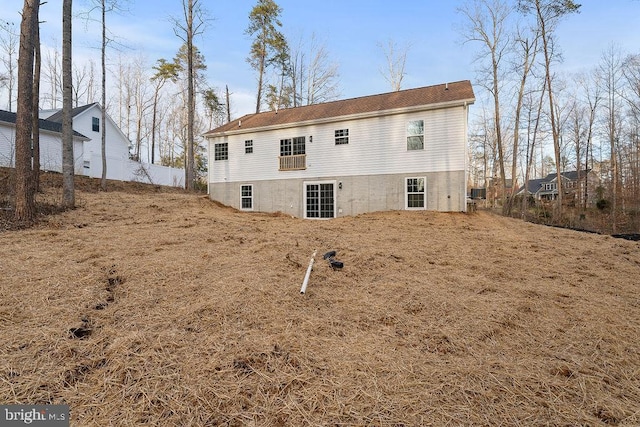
(129, 170)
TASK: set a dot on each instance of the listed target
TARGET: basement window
(415, 193)
(246, 197)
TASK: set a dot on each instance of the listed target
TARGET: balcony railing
(292, 163)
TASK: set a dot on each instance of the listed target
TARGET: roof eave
(357, 116)
(79, 136)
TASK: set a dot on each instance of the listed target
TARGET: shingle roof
(533, 185)
(57, 117)
(536, 184)
(9, 117)
(439, 94)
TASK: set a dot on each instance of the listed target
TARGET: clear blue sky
(350, 29)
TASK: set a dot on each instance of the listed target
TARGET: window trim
(292, 146)
(243, 197)
(304, 199)
(407, 193)
(414, 135)
(218, 153)
(341, 136)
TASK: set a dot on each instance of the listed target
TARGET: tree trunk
(228, 105)
(614, 181)
(190, 165)
(153, 126)
(37, 67)
(531, 153)
(552, 117)
(24, 195)
(496, 104)
(68, 190)
(260, 78)
(103, 133)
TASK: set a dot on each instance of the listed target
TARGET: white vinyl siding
(50, 150)
(377, 146)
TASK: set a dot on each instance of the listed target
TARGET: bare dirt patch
(167, 309)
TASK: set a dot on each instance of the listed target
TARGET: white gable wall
(117, 145)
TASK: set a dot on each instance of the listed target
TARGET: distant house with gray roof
(573, 183)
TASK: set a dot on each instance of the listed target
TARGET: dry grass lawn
(166, 309)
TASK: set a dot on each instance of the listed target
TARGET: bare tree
(396, 59)
(228, 103)
(165, 71)
(9, 43)
(122, 78)
(534, 113)
(24, 191)
(631, 72)
(193, 23)
(322, 75)
(51, 76)
(35, 143)
(83, 84)
(142, 102)
(103, 119)
(548, 13)
(486, 24)
(611, 79)
(68, 187)
(592, 98)
(528, 47)
(104, 7)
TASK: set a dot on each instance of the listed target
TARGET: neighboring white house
(87, 120)
(50, 144)
(393, 151)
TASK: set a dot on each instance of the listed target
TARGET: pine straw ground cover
(167, 309)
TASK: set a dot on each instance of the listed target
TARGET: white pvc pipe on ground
(303, 289)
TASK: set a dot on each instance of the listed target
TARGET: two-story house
(573, 184)
(392, 151)
(87, 120)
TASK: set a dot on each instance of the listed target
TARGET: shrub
(603, 204)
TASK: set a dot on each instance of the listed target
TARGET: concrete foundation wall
(445, 191)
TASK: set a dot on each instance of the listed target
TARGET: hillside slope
(167, 309)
